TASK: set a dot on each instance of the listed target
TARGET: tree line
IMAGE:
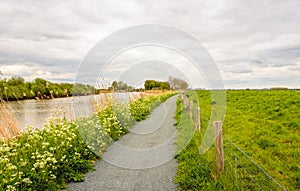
(156, 85)
(173, 83)
(121, 86)
(15, 88)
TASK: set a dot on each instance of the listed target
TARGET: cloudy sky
(255, 44)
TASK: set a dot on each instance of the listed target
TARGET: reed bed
(8, 122)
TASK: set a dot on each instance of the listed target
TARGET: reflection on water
(35, 112)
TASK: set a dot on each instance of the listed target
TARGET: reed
(8, 122)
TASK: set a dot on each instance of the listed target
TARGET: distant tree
(119, 86)
(165, 85)
(16, 88)
(114, 85)
(82, 89)
(149, 84)
(39, 87)
(177, 83)
(152, 84)
(15, 81)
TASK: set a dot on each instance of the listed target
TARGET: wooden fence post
(191, 109)
(198, 119)
(185, 102)
(219, 146)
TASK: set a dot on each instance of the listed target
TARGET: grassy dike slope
(265, 124)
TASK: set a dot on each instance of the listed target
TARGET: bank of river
(35, 112)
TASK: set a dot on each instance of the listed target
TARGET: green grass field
(264, 124)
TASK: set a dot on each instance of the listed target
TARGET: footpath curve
(143, 159)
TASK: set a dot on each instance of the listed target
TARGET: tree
(39, 87)
(118, 86)
(152, 84)
(121, 85)
(177, 83)
(165, 85)
(15, 81)
(114, 85)
(149, 84)
(16, 88)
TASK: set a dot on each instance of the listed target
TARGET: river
(36, 112)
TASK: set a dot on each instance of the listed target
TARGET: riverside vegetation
(15, 88)
(64, 150)
(265, 124)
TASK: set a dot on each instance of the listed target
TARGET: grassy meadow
(264, 124)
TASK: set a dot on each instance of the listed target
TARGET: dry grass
(157, 92)
(8, 122)
(137, 95)
(100, 102)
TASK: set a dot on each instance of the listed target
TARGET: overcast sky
(255, 44)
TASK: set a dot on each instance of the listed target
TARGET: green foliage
(44, 159)
(16, 88)
(264, 124)
(122, 113)
(142, 107)
(82, 89)
(93, 133)
(110, 123)
(152, 84)
(121, 86)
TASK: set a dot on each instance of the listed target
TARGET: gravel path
(142, 159)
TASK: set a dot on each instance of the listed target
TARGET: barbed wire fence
(244, 172)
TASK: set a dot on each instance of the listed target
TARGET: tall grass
(8, 122)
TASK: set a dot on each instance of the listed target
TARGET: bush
(44, 159)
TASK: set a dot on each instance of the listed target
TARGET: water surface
(36, 112)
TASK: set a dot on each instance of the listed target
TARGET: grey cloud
(295, 68)
(10, 58)
(57, 35)
(241, 71)
(260, 62)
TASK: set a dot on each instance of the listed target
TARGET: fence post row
(219, 146)
(186, 102)
(198, 119)
(191, 109)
